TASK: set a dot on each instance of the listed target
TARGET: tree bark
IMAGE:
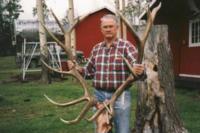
(71, 21)
(124, 29)
(117, 7)
(156, 109)
(43, 47)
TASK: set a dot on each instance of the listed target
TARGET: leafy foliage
(9, 11)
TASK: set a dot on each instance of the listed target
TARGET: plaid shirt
(106, 66)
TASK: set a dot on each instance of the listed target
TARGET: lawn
(23, 108)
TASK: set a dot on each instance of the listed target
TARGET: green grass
(8, 68)
(23, 108)
(189, 108)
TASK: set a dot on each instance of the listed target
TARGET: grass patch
(8, 68)
(23, 108)
(189, 108)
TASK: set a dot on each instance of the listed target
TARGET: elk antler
(91, 101)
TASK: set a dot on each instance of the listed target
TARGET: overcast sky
(60, 6)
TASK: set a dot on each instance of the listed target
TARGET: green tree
(9, 12)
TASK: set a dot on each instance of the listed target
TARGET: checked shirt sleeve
(131, 53)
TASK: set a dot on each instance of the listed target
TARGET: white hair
(110, 16)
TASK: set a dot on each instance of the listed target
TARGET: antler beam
(91, 101)
(141, 44)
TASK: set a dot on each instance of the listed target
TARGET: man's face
(109, 28)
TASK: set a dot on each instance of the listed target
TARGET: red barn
(88, 31)
(183, 20)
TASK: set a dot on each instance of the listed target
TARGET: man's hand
(138, 69)
(71, 65)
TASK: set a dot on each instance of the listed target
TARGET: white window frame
(191, 22)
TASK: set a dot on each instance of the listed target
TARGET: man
(109, 71)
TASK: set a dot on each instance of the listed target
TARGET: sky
(59, 7)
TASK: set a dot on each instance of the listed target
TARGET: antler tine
(117, 93)
(151, 17)
(90, 104)
(67, 41)
(73, 73)
(78, 20)
(58, 71)
(111, 102)
(155, 10)
(57, 21)
(68, 73)
(98, 112)
(127, 63)
(67, 103)
(73, 25)
(53, 36)
(87, 97)
(66, 47)
(107, 106)
(129, 25)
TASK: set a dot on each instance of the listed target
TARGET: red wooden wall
(88, 32)
(186, 59)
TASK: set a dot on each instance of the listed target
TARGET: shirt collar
(114, 44)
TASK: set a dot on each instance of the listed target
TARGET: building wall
(186, 59)
(88, 32)
(174, 37)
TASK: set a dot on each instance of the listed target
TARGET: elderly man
(109, 71)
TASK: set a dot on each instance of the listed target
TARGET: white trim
(190, 34)
(111, 9)
(189, 75)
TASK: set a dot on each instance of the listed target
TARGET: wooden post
(124, 29)
(43, 42)
(71, 21)
(117, 6)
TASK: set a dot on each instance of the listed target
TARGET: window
(194, 33)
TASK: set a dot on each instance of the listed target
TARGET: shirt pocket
(118, 64)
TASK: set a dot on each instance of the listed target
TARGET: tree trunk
(71, 21)
(124, 29)
(156, 109)
(43, 47)
(117, 6)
